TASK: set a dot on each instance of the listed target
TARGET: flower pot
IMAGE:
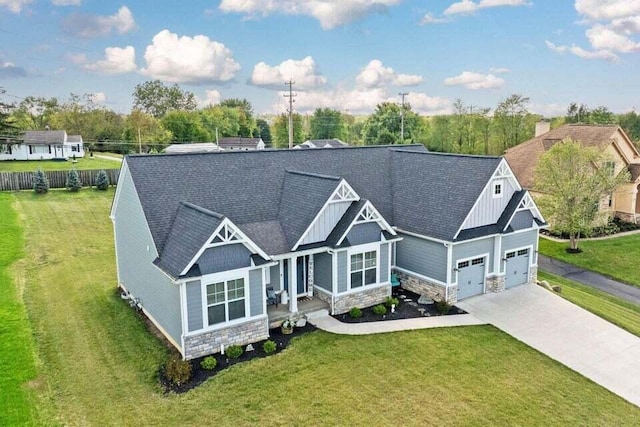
(286, 330)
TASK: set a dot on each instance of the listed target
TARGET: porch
(305, 305)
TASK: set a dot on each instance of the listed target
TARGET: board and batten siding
(223, 258)
(194, 305)
(326, 222)
(136, 252)
(323, 271)
(361, 234)
(488, 209)
(421, 256)
(342, 270)
(384, 263)
(256, 297)
(473, 249)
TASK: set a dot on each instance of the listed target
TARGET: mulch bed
(407, 309)
(200, 375)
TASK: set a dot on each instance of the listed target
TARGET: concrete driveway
(584, 342)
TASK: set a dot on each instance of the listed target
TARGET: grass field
(56, 165)
(617, 257)
(98, 362)
(616, 310)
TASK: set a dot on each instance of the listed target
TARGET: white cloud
(499, 70)
(430, 19)
(375, 75)
(66, 2)
(86, 26)
(606, 38)
(428, 105)
(331, 14)
(466, 7)
(197, 60)
(11, 70)
(582, 53)
(14, 6)
(116, 61)
(303, 72)
(76, 58)
(475, 81)
(212, 97)
(607, 9)
(98, 97)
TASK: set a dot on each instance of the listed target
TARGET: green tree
(509, 119)
(482, 128)
(157, 99)
(8, 128)
(601, 116)
(40, 182)
(326, 123)
(102, 180)
(573, 179)
(246, 122)
(143, 132)
(280, 130)
(35, 113)
(630, 122)
(441, 135)
(264, 131)
(220, 120)
(387, 116)
(185, 126)
(73, 183)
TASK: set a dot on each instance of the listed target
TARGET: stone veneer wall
(533, 274)
(495, 284)
(209, 342)
(362, 299)
(322, 296)
(433, 290)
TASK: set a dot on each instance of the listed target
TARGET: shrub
(442, 306)
(40, 182)
(355, 313)
(234, 351)
(73, 181)
(379, 310)
(102, 180)
(209, 363)
(177, 371)
(391, 301)
(269, 346)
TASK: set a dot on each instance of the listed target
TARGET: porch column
(293, 285)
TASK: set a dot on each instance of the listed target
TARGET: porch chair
(395, 282)
(272, 298)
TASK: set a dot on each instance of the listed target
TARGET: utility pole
(139, 141)
(291, 95)
(402, 94)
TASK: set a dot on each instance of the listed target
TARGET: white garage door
(517, 268)
(470, 277)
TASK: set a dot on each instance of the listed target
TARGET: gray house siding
(194, 305)
(159, 296)
(342, 271)
(384, 263)
(421, 256)
(364, 233)
(323, 271)
(326, 222)
(522, 220)
(488, 209)
(256, 297)
(473, 249)
(275, 277)
(223, 258)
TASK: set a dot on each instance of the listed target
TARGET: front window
(364, 269)
(225, 301)
(497, 189)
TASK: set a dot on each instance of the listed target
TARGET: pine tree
(40, 182)
(73, 181)
(102, 180)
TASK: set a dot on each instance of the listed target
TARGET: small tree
(573, 180)
(73, 181)
(40, 182)
(102, 180)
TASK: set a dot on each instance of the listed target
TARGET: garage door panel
(471, 277)
(517, 267)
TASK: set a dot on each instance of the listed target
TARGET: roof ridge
(435, 153)
(202, 210)
(315, 175)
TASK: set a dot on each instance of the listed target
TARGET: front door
(301, 264)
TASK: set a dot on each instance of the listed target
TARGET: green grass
(616, 310)
(17, 358)
(56, 165)
(616, 257)
(99, 361)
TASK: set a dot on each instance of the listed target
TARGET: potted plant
(287, 326)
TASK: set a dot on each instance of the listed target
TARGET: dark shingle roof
(34, 137)
(238, 142)
(191, 228)
(264, 194)
(74, 138)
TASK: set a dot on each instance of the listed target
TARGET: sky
(348, 55)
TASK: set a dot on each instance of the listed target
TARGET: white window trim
(224, 277)
(361, 249)
(497, 183)
(532, 253)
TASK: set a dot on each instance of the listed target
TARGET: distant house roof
(323, 143)
(523, 158)
(45, 137)
(273, 195)
(74, 138)
(200, 147)
(227, 143)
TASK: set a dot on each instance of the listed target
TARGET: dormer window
(498, 189)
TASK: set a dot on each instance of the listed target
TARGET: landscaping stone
(424, 299)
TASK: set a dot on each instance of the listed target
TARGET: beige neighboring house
(624, 203)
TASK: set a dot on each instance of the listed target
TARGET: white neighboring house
(199, 147)
(44, 145)
(322, 143)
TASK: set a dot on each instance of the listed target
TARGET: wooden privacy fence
(15, 181)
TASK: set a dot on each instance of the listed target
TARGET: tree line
(164, 114)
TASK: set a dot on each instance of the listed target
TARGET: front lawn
(616, 310)
(617, 257)
(57, 165)
(99, 363)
